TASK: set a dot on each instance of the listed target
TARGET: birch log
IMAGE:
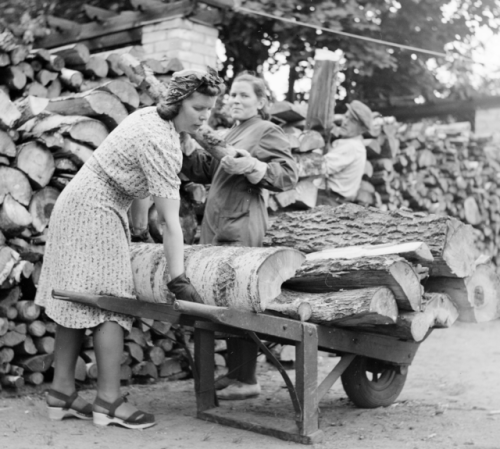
(451, 242)
(393, 272)
(476, 296)
(375, 305)
(228, 276)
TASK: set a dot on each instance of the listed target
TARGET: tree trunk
(345, 308)
(229, 276)
(476, 296)
(102, 105)
(393, 272)
(450, 241)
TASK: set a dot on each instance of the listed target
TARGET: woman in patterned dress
(235, 211)
(88, 244)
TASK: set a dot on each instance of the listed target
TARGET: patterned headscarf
(185, 82)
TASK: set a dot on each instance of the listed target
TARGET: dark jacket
(235, 211)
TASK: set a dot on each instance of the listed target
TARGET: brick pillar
(192, 43)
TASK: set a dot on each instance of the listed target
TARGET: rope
(238, 8)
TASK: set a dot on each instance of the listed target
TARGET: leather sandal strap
(110, 407)
(68, 399)
(137, 417)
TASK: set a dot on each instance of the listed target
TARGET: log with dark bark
(451, 242)
(393, 272)
(373, 306)
(477, 297)
(230, 276)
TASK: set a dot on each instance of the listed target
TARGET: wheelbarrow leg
(204, 360)
(306, 382)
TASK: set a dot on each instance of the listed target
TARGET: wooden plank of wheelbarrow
(276, 427)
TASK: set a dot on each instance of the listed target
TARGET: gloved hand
(141, 235)
(244, 164)
(182, 288)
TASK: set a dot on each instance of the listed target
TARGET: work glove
(141, 235)
(244, 164)
(182, 288)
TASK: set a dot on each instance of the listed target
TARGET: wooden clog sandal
(66, 411)
(137, 420)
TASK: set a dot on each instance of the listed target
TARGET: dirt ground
(451, 400)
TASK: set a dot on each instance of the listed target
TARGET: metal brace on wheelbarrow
(385, 358)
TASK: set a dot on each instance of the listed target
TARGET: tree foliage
(377, 74)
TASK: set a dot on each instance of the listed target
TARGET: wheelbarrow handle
(212, 313)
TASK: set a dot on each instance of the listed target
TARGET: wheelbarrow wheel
(371, 383)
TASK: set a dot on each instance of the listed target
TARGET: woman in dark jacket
(235, 212)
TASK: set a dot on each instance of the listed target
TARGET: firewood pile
(391, 272)
(55, 109)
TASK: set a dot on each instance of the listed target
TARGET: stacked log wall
(55, 110)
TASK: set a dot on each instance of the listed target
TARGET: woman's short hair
(169, 111)
(260, 89)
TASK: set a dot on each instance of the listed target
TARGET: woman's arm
(139, 213)
(173, 239)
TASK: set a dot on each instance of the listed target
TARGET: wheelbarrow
(372, 367)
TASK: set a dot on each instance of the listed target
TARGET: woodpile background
(56, 108)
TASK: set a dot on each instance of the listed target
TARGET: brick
(203, 49)
(173, 44)
(209, 31)
(149, 37)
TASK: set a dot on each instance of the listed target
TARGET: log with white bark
(413, 251)
(9, 114)
(441, 308)
(15, 183)
(102, 105)
(123, 90)
(30, 107)
(14, 218)
(83, 129)
(77, 152)
(330, 275)
(72, 79)
(7, 145)
(477, 297)
(74, 55)
(374, 306)
(229, 276)
(37, 162)
(451, 242)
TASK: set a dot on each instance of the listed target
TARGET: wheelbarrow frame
(308, 338)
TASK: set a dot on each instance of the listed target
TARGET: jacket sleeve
(199, 167)
(274, 150)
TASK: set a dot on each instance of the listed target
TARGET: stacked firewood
(366, 268)
(55, 109)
